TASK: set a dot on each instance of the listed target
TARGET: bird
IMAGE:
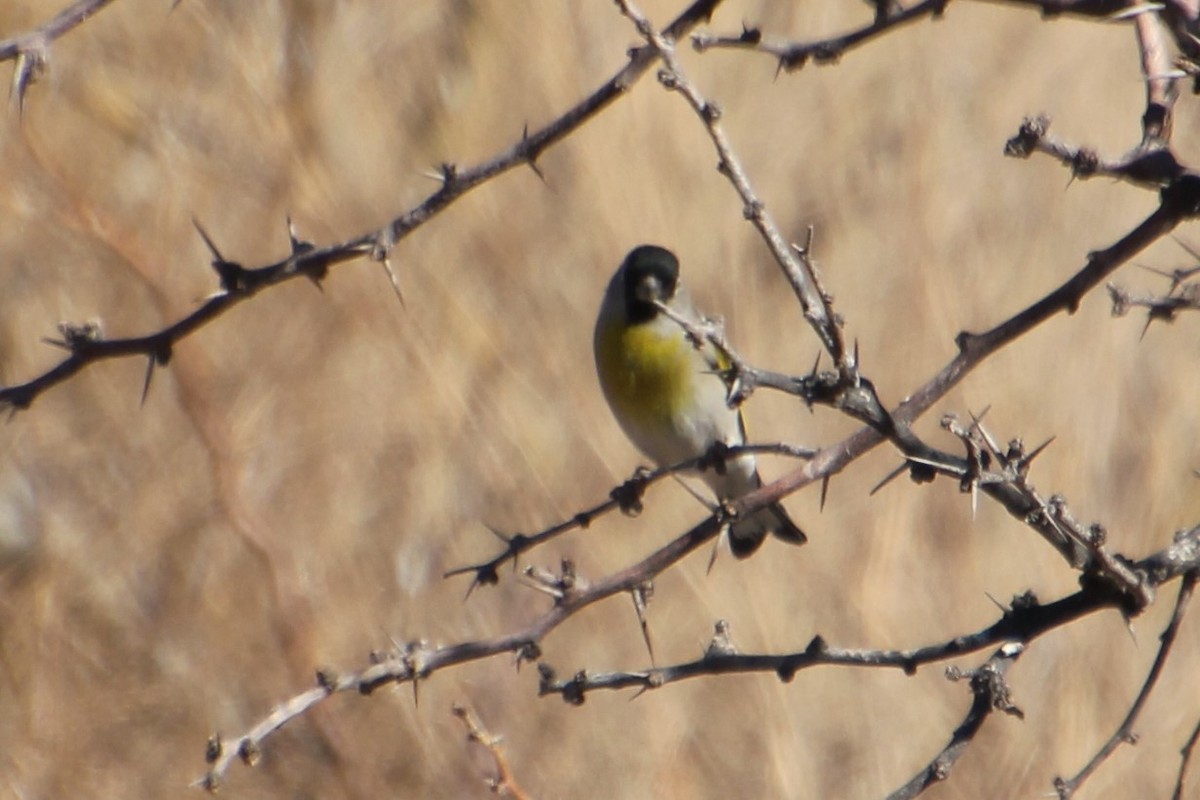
(666, 390)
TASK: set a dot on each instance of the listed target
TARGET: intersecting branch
(627, 497)
(795, 263)
(991, 693)
(1125, 734)
(416, 661)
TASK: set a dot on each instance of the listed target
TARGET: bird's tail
(747, 535)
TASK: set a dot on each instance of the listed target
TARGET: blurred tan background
(311, 463)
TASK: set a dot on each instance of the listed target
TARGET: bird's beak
(649, 290)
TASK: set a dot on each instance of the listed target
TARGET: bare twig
(991, 693)
(502, 783)
(1124, 732)
(239, 283)
(1185, 756)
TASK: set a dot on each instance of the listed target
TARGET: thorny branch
(31, 50)
(238, 283)
(791, 56)
(1151, 165)
(795, 263)
(991, 693)
(794, 55)
(1152, 168)
(418, 660)
(1161, 89)
(1125, 733)
(1183, 294)
(1023, 622)
(855, 395)
(1180, 200)
(627, 497)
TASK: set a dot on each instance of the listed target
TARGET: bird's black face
(651, 275)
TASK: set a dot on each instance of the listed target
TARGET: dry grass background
(311, 463)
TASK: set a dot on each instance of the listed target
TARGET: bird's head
(651, 276)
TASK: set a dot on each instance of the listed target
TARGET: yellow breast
(647, 371)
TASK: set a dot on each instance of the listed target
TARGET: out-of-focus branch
(238, 283)
(502, 784)
(1024, 622)
(1125, 733)
(31, 50)
(1158, 307)
(70, 17)
(991, 694)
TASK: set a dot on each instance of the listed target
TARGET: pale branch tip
(502, 783)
